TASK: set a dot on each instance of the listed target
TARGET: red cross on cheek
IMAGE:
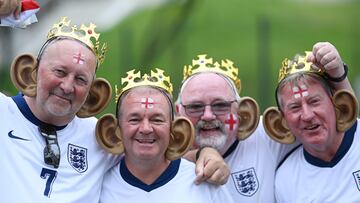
(300, 91)
(231, 121)
(78, 58)
(147, 103)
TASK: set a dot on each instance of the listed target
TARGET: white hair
(227, 79)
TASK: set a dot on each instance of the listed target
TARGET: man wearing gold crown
(144, 128)
(326, 167)
(48, 151)
(209, 97)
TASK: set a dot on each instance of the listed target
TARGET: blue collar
(164, 178)
(343, 149)
(25, 110)
(231, 149)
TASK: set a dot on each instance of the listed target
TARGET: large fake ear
(276, 127)
(108, 134)
(23, 74)
(98, 98)
(347, 108)
(181, 138)
(248, 115)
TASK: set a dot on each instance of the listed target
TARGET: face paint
(300, 91)
(78, 58)
(231, 121)
(147, 103)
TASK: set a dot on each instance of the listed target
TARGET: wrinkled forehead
(70, 50)
(147, 97)
(303, 80)
(206, 80)
(304, 87)
(206, 84)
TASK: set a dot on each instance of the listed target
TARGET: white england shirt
(23, 173)
(175, 185)
(304, 178)
(253, 163)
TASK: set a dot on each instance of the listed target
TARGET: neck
(147, 170)
(328, 151)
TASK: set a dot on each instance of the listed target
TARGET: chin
(59, 111)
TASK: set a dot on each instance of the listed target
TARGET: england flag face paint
(300, 91)
(231, 122)
(147, 103)
(79, 58)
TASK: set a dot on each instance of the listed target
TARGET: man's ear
(108, 134)
(181, 138)
(98, 98)
(276, 127)
(347, 108)
(248, 117)
(23, 74)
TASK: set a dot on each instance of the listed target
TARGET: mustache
(209, 124)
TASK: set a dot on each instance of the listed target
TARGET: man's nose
(145, 127)
(208, 114)
(307, 113)
(67, 85)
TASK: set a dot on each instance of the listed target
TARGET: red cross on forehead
(231, 121)
(79, 58)
(300, 91)
(147, 103)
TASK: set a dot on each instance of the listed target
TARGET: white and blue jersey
(305, 178)
(253, 163)
(24, 176)
(175, 185)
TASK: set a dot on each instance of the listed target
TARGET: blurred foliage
(257, 35)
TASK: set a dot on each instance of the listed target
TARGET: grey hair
(228, 80)
(305, 77)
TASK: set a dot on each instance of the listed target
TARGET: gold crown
(85, 34)
(156, 79)
(203, 64)
(299, 64)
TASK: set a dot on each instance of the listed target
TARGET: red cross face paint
(79, 58)
(231, 122)
(300, 91)
(147, 103)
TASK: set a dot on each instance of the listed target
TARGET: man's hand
(211, 167)
(10, 7)
(325, 56)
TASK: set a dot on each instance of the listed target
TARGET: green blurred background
(257, 35)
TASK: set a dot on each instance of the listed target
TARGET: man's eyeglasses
(218, 108)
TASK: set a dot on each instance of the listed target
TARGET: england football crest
(246, 182)
(356, 175)
(77, 157)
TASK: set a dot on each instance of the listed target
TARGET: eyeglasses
(218, 108)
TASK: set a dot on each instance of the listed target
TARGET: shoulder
(290, 163)
(4, 99)
(187, 168)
